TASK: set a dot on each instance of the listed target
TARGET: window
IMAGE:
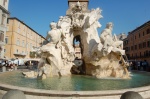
(140, 46)
(126, 49)
(148, 43)
(6, 40)
(135, 47)
(146, 52)
(22, 43)
(17, 51)
(143, 33)
(4, 50)
(127, 42)
(129, 48)
(148, 31)
(18, 24)
(18, 42)
(139, 35)
(24, 29)
(1, 36)
(3, 19)
(144, 44)
(18, 30)
(27, 45)
(132, 48)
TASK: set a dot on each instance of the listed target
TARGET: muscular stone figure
(110, 42)
(51, 53)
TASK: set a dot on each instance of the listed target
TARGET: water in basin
(75, 82)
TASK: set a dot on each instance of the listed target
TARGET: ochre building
(20, 39)
(137, 43)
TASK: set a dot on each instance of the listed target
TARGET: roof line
(148, 22)
(26, 25)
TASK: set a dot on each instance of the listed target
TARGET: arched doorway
(79, 62)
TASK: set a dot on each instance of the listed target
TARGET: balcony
(20, 54)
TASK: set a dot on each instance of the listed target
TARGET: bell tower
(72, 4)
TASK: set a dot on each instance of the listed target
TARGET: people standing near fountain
(144, 65)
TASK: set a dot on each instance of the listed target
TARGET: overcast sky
(126, 15)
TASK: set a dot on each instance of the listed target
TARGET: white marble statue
(110, 43)
(90, 36)
(102, 55)
(51, 53)
(64, 23)
(77, 16)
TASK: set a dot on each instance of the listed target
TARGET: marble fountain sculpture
(102, 55)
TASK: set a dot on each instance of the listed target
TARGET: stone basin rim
(43, 92)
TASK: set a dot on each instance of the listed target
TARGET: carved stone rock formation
(102, 55)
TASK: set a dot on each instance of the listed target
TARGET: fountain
(101, 55)
(104, 73)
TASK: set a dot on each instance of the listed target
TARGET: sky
(126, 15)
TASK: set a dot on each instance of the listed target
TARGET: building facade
(3, 24)
(20, 39)
(137, 43)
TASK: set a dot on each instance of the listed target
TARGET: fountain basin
(60, 94)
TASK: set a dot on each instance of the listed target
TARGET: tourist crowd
(139, 65)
